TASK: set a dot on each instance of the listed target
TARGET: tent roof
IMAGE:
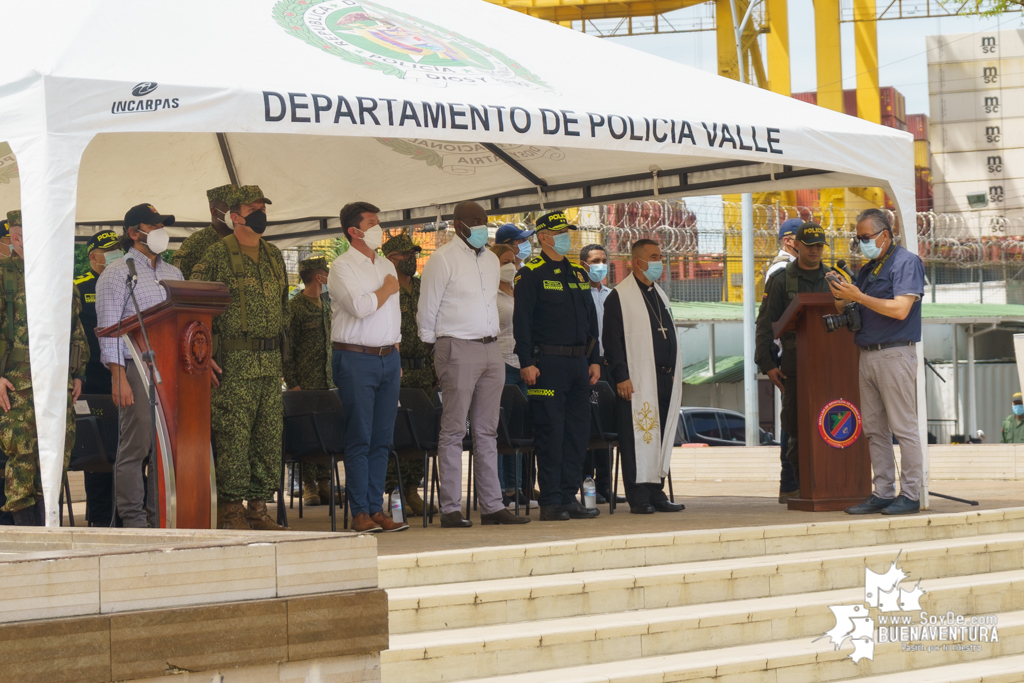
(325, 101)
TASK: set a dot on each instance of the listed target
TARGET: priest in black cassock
(644, 361)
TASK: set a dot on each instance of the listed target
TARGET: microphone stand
(149, 357)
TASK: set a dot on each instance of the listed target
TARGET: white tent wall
(317, 120)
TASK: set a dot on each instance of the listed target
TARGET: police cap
(105, 239)
(811, 234)
(554, 221)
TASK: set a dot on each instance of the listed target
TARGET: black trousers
(641, 494)
(99, 497)
(560, 406)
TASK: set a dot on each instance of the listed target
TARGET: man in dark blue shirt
(887, 292)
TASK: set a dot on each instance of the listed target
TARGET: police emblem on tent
(839, 423)
(398, 44)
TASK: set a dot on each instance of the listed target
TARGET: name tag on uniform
(311, 326)
(90, 298)
(553, 284)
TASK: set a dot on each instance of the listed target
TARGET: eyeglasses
(868, 238)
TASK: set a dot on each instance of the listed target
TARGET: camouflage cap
(399, 243)
(318, 262)
(247, 194)
(13, 218)
(224, 193)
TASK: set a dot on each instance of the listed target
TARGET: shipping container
(968, 47)
(850, 102)
(807, 197)
(893, 104)
(918, 125)
(893, 123)
(809, 97)
(922, 154)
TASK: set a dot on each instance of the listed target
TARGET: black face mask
(257, 222)
(407, 267)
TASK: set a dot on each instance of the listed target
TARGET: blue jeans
(369, 393)
(507, 463)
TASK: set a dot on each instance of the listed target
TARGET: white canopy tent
(410, 105)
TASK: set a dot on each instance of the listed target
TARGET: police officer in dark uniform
(805, 274)
(99, 486)
(555, 329)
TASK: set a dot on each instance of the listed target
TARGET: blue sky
(901, 46)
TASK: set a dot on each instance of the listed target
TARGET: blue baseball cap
(790, 227)
(509, 232)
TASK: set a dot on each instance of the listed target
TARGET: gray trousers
(132, 450)
(472, 376)
(888, 404)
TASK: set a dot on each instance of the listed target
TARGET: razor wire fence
(967, 259)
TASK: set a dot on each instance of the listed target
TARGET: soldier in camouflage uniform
(249, 340)
(23, 486)
(310, 366)
(195, 245)
(417, 363)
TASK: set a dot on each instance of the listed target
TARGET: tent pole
(749, 369)
(956, 377)
(229, 162)
(972, 387)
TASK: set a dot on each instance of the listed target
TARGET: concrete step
(445, 655)
(511, 601)
(647, 550)
(996, 670)
(789, 661)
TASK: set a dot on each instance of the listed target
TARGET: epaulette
(85, 278)
(534, 262)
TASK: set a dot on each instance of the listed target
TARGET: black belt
(414, 363)
(239, 344)
(664, 369)
(570, 351)
(887, 345)
(481, 340)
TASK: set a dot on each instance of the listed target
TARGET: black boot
(25, 516)
(41, 511)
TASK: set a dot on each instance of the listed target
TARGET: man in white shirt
(366, 327)
(458, 316)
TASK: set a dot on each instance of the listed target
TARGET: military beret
(247, 194)
(399, 243)
(105, 239)
(13, 218)
(5, 229)
(554, 221)
(318, 262)
(224, 193)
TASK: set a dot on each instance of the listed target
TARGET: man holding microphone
(888, 292)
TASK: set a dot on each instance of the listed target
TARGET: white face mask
(157, 240)
(374, 237)
(508, 272)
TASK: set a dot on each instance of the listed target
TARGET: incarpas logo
(930, 632)
(140, 103)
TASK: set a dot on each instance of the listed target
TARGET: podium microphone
(129, 261)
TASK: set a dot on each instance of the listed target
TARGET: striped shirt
(113, 302)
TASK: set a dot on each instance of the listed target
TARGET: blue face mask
(598, 271)
(1018, 409)
(653, 270)
(524, 251)
(563, 243)
(111, 256)
(870, 250)
(477, 236)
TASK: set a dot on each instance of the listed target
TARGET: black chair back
(425, 416)
(96, 435)
(603, 411)
(516, 411)
(314, 424)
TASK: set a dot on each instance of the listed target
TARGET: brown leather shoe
(231, 515)
(388, 525)
(363, 524)
(258, 518)
(502, 517)
(310, 495)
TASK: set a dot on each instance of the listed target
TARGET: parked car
(716, 427)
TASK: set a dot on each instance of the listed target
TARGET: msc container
(918, 125)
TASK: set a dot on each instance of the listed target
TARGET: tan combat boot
(310, 495)
(258, 518)
(231, 515)
(414, 503)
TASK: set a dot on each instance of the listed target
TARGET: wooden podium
(179, 330)
(835, 468)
